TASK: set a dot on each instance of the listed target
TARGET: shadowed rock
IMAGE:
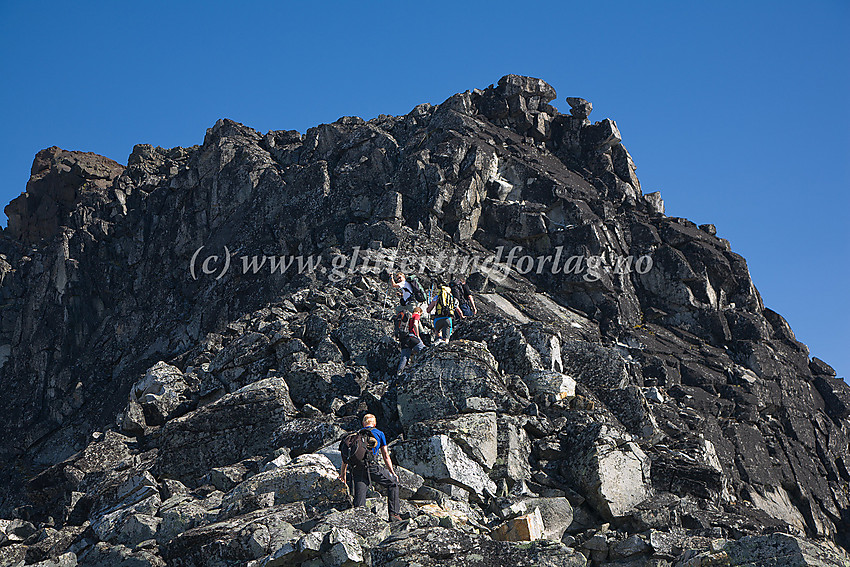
(58, 180)
(239, 425)
(622, 370)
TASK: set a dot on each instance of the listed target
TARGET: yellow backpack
(445, 302)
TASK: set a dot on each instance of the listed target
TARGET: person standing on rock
(411, 291)
(385, 476)
(411, 342)
(444, 307)
(463, 295)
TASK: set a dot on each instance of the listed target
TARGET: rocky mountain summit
(185, 340)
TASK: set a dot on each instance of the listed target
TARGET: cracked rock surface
(185, 339)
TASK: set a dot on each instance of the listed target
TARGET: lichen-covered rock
(52, 544)
(225, 478)
(556, 513)
(513, 449)
(776, 549)
(236, 540)
(319, 383)
(439, 458)
(13, 554)
(242, 351)
(451, 548)
(237, 426)
(608, 375)
(344, 549)
(306, 435)
(103, 554)
(475, 433)
(610, 469)
(125, 515)
(579, 107)
(14, 531)
(550, 385)
(527, 527)
(369, 528)
(439, 384)
(160, 393)
(66, 490)
(508, 345)
(836, 394)
(629, 547)
(691, 468)
(59, 179)
(409, 482)
(281, 460)
(65, 560)
(310, 478)
(179, 514)
(362, 340)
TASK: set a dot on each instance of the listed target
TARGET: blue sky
(736, 111)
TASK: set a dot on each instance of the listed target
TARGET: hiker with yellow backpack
(444, 306)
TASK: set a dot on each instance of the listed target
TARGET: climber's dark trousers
(381, 476)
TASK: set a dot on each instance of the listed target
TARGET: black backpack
(418, 290)
(402, 325)
(356, 448)
(457, 291)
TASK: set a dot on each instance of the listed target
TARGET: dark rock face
(232, 428)
(184, 340)
(60, 183)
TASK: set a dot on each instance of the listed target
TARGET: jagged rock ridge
(640, 415)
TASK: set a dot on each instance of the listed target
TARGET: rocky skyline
(650, 415)
(711, 98)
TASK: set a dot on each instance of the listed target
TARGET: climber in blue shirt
(383, 476)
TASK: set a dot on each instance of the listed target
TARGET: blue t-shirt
(380, 437)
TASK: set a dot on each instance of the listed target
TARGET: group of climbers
(359, 451)
(444, 301)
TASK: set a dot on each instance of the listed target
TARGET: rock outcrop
(185, 340)
(60, 184)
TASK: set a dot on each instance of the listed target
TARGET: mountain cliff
(184, 340)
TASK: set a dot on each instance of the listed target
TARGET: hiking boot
(395, 518)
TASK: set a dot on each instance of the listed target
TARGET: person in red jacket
(412, 343)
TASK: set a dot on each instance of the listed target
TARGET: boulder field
(184, 341)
